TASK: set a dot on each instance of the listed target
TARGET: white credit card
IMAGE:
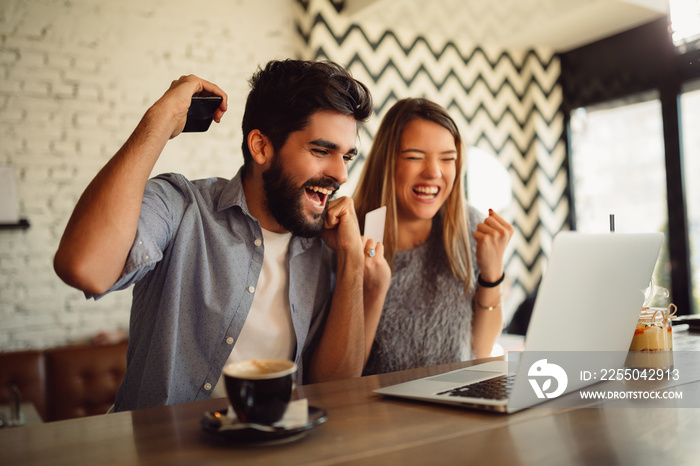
(374, 224)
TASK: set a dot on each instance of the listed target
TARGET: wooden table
(364, 428)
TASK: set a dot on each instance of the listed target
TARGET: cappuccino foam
(259, 369)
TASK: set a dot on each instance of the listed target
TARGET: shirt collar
(233, 194)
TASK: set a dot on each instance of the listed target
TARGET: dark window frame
(637, 61)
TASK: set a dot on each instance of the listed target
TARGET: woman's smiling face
(426, 167)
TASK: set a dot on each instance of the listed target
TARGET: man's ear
(260, 147)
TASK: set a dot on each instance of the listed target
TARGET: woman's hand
(492, 237)
(377, 273)
(375, 285)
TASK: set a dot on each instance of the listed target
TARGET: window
(618, 167)
(685, 21)
(690, 119)
(621, 67)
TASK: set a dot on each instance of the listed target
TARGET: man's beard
(286, 202)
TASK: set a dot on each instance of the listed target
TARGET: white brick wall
(75, 78)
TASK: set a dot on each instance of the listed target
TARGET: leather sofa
(65, 382)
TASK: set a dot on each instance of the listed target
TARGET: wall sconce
(9, 202)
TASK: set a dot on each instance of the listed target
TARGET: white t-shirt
(268, 331)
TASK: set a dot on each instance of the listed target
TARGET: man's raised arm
(102, 228)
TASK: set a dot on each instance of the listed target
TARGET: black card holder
(201, 113)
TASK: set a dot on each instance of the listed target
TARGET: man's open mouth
(426, 192)
(318, 195)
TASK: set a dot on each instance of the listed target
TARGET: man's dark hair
(286, 93)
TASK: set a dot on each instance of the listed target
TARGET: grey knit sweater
(426, 321)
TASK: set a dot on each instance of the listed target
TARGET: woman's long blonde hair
(377, 184)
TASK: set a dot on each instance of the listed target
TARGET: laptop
(588, 303)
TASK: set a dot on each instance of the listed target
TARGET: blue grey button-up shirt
(195, 264)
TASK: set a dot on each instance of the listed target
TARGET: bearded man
(265, 264)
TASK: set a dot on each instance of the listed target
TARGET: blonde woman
(439, 270)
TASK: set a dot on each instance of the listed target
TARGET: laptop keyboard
(497, 388)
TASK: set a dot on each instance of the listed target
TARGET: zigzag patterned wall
(506, 102)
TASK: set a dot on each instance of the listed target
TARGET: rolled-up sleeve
(161, 212)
